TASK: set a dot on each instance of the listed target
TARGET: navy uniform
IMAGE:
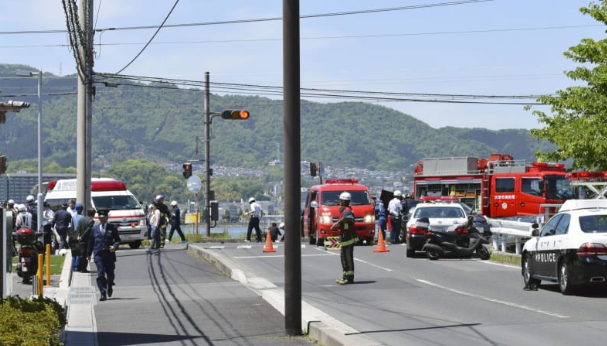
(103, 243)
(347, 238)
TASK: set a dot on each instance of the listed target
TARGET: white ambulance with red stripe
(125, 210)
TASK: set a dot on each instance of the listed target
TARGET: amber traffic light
(235, 114)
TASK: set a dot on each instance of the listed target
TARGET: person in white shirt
(395, 208)
(154, 222)
(24, 218)
(255, 215)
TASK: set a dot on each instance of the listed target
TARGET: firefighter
(347, 238)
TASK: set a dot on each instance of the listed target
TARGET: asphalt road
(415, 301)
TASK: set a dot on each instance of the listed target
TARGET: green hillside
(161, 124)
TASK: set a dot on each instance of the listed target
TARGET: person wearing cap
(48, 218)
(395, 208)
(164, 217)
(63, 221)
(30, 201)
(255, 215)
(176, 222)
(102, 246)
(347, 238)
(24, 218)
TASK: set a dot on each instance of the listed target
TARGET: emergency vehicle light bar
(104, 185)
(548, 164)
(439, 199)
(586, 175)
(342, 181)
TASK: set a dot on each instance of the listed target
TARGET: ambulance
(125, 210)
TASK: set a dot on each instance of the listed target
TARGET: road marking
(514, 305)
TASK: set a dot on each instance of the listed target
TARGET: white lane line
(514, 305)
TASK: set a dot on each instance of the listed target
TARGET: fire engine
(498, 186)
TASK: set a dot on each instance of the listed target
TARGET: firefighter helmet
(397, 193)
(251, 200)
(345, 196)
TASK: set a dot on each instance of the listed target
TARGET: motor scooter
(29, 248)
(448, 243)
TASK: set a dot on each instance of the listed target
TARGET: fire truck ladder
(595, 189)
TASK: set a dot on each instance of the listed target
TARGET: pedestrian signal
(235, 115)
(187, 170)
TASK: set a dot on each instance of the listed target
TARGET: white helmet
(10, 201)
(29, 199)
(158, 198)
(282, 225)
(21, 208)
(397, 193)
(345, 196)
(251, 200)
(174, 203)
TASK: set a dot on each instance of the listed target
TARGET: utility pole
(207, 150)
(292, 158)
(84, 115)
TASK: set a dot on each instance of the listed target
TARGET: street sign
(194, 184)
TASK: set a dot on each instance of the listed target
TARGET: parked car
(441, 215)
(405, 216)
(571, 248)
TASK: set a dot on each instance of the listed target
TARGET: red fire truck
(498, 186)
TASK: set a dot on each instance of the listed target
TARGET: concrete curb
(319, 325)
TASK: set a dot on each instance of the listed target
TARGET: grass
(56, 264)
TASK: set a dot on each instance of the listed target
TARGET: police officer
(347, 238)
(395, 208)
(103, 243)
(176, 222)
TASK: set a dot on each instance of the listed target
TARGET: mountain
(164, 124)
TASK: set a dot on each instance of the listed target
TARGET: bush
(31, 322)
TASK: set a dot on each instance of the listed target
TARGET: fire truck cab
(322, 205)
(497, 187)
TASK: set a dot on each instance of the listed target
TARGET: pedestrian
(282, 227)
(146, 211)
(77, 251)
(163, 219)
(255, 215)
(380, 214)
(274, 231)
(71, 208)
(48, 217)
(176, 222)
(33, 210)
(347, 238)
(84, 231)
(63, 221)
(24, 218)
(395, 209)
(102, 248)
(13, 210)
(154, 219)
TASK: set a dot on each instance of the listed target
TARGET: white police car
(441, 215)
(570, 249)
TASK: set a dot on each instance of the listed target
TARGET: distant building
(18, 186)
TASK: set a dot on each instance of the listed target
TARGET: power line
(241, 21)
(150, 40)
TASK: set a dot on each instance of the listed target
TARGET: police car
(442, 212)
(570, 249)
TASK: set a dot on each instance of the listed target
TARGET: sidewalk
(80, 299)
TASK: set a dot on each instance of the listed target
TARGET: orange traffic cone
(269, 245)
(381, 244)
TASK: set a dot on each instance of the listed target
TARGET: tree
(579, 113)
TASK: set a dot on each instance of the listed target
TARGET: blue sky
(500, 47)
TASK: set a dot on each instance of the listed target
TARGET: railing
(515, 230)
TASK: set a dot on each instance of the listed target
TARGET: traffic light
(187, 170)
(235, 115)
(214, 211)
